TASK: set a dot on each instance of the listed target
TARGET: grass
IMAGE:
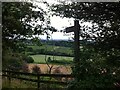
(40, 59)
(53, 48)
(17, 84)
(57, 59)
(26, 85)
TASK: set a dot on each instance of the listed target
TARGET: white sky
(59, 23)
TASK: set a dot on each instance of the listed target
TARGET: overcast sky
(60, 24)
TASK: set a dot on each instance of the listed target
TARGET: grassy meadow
(58, 59)
(62, 55)
(57, 49)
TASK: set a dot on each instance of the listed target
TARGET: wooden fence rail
(37, 79)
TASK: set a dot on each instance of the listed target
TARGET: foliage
(105, 18)
(28, 59)
(61, 62)
(29, 49)
(58, 43)
(16, 22)
(36, 69)
(49, 59)
(25, 68)
(51, 50)
(97, 65)
(15, 27)
(20, 22)
(93, 71)
(12, 61)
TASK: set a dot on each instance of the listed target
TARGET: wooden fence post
(38, 83)
(9, 79)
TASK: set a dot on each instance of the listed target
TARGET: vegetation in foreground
(21, 84)
(99, 65)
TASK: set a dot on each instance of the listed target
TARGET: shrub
(36, 69)
(42, 51)
(25, 68)
(57, 71)
(29, 49)
(49, 59)
(29, 60)
(12, 61)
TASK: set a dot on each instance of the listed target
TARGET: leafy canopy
(21, 21)
(99, 65)
(104, 16)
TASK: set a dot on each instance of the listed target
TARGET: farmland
(60, 56)
(60, 63)
(50, 50)
(56, 54)
(94, 43)
(60, 59)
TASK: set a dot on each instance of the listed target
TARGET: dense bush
(12, 61)
(29, 49)
(58, 52)
(25, 68)
(49, 59)
(36, 69)
(27, 59)
(93, 71)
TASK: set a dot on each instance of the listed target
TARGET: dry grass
(15, 83)
(63, 69)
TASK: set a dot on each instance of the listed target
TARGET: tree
(105, 15)
(104, 35)
(19, 22)
(36, 69)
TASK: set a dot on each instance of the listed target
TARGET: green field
(58, 49)
(57, 59)
(62, 54)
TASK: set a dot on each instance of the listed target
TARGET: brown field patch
(61, 69)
